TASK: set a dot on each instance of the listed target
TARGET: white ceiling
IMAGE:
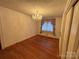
(29, 7)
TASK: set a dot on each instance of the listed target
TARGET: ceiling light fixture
(37, 16)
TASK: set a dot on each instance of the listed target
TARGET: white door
(66, 32)
(74, 34)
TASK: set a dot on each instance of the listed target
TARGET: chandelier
(37, 16)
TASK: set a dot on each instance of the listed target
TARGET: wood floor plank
(37, 47)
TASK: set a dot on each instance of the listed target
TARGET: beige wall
(58, 26)
(39, 26)
(15, 27)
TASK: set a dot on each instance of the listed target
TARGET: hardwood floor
(37, 47)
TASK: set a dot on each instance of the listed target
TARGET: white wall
(15, 27)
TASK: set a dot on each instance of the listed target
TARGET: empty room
(39, 29)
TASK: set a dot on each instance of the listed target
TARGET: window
(44, 27)
(48, 27)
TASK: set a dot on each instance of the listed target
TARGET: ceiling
(29, 7)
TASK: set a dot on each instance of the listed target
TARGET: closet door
(74, 34)
(77, 53)
(66, 32)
